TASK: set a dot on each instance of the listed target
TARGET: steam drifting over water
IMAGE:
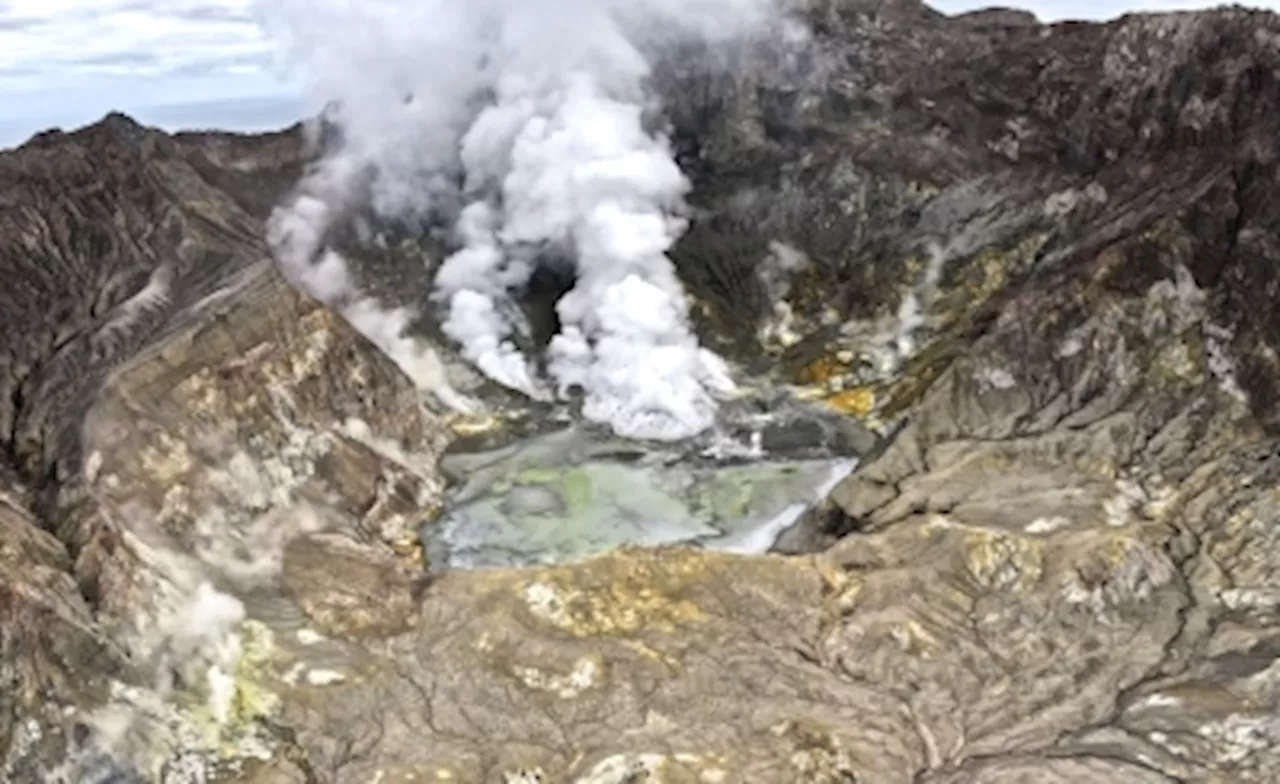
(525, 126)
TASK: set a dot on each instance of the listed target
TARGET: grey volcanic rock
(52, 658)
(1041, 263)
(107, 236)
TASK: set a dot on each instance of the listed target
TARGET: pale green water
(565, 496)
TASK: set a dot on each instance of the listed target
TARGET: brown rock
(349, 589)
(53, 658)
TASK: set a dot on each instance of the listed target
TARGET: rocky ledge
(1042, 264)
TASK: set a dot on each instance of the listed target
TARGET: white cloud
(67, 62)
(47, 44)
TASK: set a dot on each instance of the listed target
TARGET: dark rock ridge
(1064, 564)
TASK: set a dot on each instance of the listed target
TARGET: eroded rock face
(52, 656)
(199, 425)
(1040, 262)
(269, 420)
(347, 589)
(108, 235)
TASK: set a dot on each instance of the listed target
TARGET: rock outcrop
(1040, 260)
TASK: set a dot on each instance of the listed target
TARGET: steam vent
(702, 393)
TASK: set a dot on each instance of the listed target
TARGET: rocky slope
(1061, 566)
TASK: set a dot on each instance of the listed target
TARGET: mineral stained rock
(1042, 261)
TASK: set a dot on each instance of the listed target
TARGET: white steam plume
(297, 233)
(522, 124)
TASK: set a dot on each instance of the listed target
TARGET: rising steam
(526, 127)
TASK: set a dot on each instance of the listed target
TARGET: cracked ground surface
(1061, 566)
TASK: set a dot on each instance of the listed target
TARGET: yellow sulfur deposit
(858, 401)
(821, 371)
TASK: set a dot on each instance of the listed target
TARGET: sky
(182, 64)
